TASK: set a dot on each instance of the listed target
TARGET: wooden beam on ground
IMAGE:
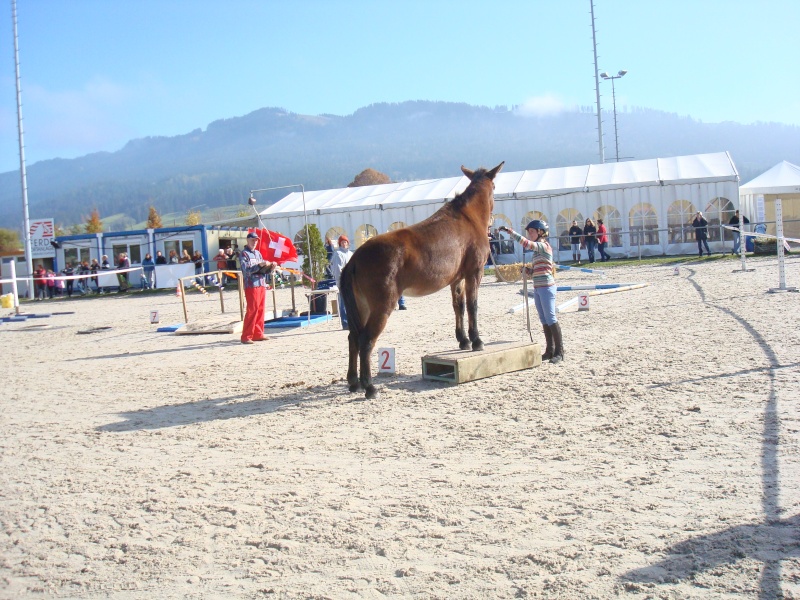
(460, 366)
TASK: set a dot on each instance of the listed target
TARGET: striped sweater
(543, 265)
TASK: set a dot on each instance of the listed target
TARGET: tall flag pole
(26, 225)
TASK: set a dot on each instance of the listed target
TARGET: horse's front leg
(459, 304)
(472, 285)
(352, 367)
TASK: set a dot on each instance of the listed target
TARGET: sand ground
(660, 460)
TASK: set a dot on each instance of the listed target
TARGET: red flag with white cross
(275, 247)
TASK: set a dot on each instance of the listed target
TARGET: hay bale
(509, 273)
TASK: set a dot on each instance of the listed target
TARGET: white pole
(780, 242)
(597, 88)
(13, 265)
(26, 224)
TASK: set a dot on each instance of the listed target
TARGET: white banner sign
(41, 234)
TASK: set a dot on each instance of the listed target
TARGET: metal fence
(645, 241)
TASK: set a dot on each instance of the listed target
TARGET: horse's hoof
(354, 387)
(477, 346)
(371, 392)
(464, 345)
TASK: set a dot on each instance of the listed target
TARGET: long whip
(525, 293)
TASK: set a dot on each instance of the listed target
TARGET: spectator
(40, 282)
(589, 239)
(222, 264)
(701, 232)
(123, 263)
(602, 240)
(148, 272)
(94, 267)
(339, 260)
(544, 285)
(254, 270)
(83, 282)
(104, 266)
(737, 237)
(160, 258)
(69, 272)
(51, 283)
(231, 258)
(575, 234)
(185, 257)
(199, 262)
(173, 258)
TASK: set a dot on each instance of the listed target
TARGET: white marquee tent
(646, 204)
(781, 181)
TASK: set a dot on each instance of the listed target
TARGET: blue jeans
(342, 312)
(590, 242)
(545, 300)
(737, 242)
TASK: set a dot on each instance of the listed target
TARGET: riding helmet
(538, 224)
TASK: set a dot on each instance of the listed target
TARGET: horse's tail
(349, 298)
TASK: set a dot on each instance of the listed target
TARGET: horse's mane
(459, 200)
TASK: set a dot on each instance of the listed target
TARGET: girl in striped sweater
(544, 285)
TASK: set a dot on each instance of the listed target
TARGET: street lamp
(605, 75)
(252, 202)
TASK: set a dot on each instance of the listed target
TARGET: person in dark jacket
(160, 258)
(575, 234)
(701, 232)
(589, 238)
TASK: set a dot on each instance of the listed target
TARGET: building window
(363, 233)
(718, 211)
(679, 222)
(499, 242)
(643, 225)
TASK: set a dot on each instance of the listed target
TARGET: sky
(98, 73)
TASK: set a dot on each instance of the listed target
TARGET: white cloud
(546, 105)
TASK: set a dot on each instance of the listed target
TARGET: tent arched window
(643, 221)
(613, 222)
(333, 235)
(363, 233)
(718, 211)
(501, 243)
(563, 223)
(396, 225)
(530, 216)
(679, 222)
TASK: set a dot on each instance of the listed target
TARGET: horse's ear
(467, 172)
(491, 174)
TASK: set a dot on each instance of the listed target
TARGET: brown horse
(448, 248)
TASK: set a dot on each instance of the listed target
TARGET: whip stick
(525, 294)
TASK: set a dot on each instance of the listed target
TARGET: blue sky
(97, 73)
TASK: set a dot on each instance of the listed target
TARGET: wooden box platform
(460, 366)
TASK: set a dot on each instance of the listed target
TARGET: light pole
(605, 75)
(252, 202)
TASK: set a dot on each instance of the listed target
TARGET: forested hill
(407, 141)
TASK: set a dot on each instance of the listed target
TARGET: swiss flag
(275, 247)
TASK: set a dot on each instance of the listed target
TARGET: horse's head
(476, 175)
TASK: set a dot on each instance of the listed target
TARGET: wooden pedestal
(459, 366)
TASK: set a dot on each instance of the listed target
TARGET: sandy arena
(660, 460)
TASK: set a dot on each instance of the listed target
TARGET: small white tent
(781, 181)
(646, 204)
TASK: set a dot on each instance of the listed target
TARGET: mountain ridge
(407, 141)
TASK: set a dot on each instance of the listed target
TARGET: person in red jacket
(602, 240)
(40, 282)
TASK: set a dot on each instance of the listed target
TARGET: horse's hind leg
(459, 303)
(472, 311)
(366, 343)
(352, 367)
